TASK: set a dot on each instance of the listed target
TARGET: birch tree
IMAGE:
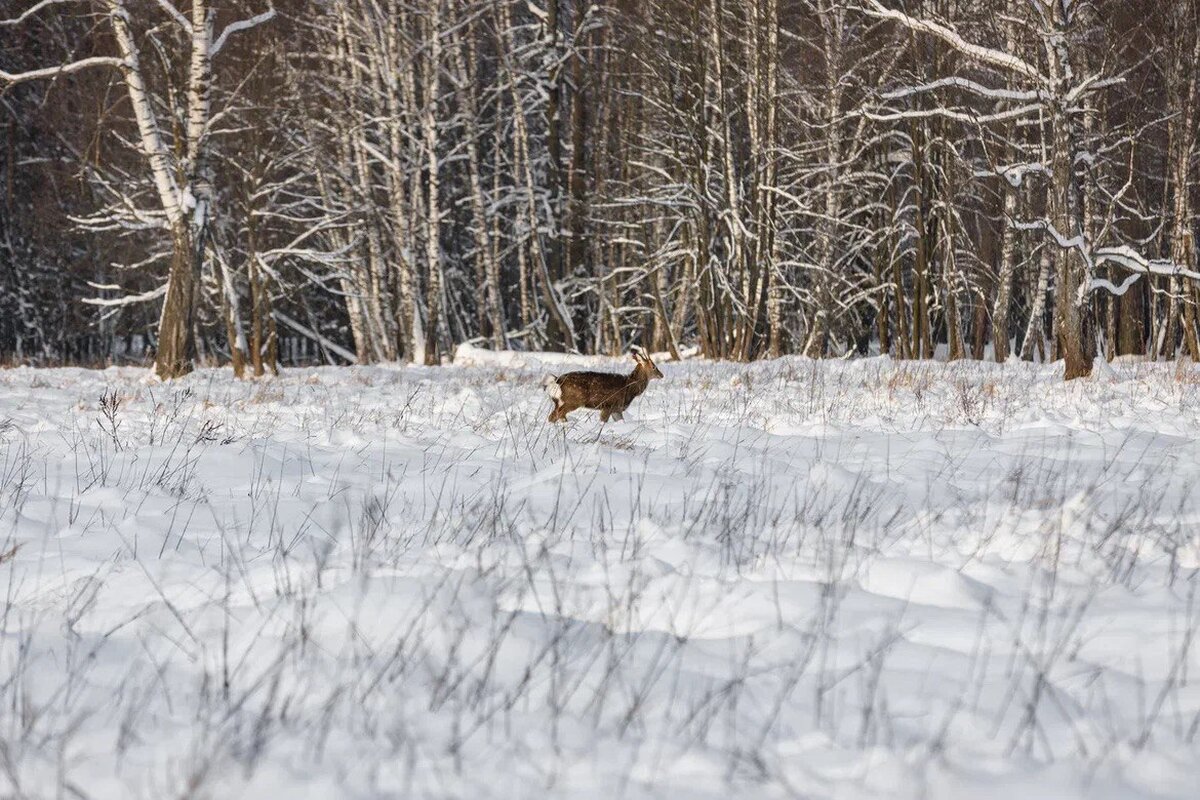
(181, 174)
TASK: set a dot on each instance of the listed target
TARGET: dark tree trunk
(176, 340)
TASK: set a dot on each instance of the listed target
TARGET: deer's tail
(551, 387)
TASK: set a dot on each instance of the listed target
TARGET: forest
(260, 183)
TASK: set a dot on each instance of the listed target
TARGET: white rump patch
(550, 384)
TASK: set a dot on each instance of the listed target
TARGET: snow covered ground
(789, 579)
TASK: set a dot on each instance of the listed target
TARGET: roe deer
(607, 393)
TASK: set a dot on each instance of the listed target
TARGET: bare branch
(29, 12)
(61, 69)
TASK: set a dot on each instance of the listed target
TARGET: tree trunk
(956, 349)
(1069, 302)
(488, 271)
(1035, 330)
(1183, 134)
(176, 342)
(1008, 266)
(429, 130)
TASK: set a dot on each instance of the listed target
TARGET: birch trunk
(1035, 331)
(1184, 84)
(1068, 300)
(429, 132)
(1008, 243)
(176, 339)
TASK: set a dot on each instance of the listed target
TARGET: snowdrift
(787, 579)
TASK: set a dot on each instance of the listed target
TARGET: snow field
(785, 579)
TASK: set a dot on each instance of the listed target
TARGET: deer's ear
(638, 353)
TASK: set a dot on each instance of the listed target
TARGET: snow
(788, 579)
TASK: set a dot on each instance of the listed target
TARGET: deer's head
(644, 365)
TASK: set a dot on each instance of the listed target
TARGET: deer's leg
(618, 416)
(559, 414)
(565, 408)
(604, 415)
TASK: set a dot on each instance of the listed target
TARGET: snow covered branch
(238, 27)
(61, 69)
(981, 54)
(128, 300)
(324, 341)
(966, 84)
(176, 15)
(1128, 258)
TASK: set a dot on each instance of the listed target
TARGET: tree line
(256, 183)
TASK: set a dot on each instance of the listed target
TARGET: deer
(608, 393)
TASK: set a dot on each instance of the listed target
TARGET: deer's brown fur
(607, 393)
